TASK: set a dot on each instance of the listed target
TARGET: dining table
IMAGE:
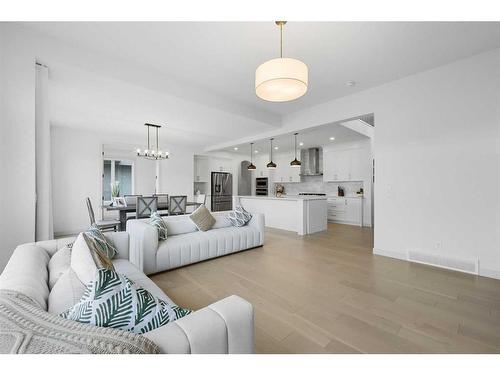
(123, 210)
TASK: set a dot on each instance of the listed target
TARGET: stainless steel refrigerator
(222, 191)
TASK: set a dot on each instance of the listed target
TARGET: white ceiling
(219, 58)
(315, 137)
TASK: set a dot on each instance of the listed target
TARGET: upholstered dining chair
(177, 205)
(145, 206)
(199, 199)
(162, 202)
(103, 225)
(131, 198)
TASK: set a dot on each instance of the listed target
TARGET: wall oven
(261, 186)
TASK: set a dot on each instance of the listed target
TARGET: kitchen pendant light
(281, 79)
(295, 163)
(251, 167)
(271, 165)
(153, 153)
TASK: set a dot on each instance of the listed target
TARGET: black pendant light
(271, 165)
(251, 167)
(295, 163)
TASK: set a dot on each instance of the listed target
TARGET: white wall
(77, 169)
(437, 145)
(17, 144)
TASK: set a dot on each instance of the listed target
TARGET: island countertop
(285, 197)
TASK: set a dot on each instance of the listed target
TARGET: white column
(44, 223)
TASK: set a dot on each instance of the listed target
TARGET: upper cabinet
(346, 165)
(284, 172)
(201, 169)
(219, 165)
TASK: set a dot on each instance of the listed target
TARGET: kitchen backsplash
(315, 184)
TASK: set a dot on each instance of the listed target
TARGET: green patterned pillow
(113, 300)
(157, 222)
(99, 242)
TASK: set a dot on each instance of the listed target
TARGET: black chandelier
(152, 153)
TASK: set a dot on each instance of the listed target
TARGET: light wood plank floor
(327, 293)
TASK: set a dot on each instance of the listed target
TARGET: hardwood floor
(327, 293)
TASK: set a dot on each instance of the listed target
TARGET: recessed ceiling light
(350, 83)
(332, 138)
(236, 149)
(276, 147)
(301, 144)
(256, 151)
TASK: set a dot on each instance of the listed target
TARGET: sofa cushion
(179, 225)
(98, 241)
(202, 218)
(194, 247)
(58, 264)
(156, 221)
(221, 220)
(66, 292)
(86, 260)
(113, 300)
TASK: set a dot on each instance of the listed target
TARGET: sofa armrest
(258, 221)
(143, 245)
(224, 327)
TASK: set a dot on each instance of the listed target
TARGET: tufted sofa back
(27, 270)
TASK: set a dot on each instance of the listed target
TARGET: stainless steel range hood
(311, 161)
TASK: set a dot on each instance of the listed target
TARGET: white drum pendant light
(281, 79)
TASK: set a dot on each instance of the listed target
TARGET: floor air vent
(463, 265)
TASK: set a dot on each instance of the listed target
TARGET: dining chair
(162, 203)
(199, 199)
(177, 205)
(131, 198)
(145, 206)
(103, 225)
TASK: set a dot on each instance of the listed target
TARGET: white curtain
(44, 229)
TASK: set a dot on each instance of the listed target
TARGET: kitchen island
(301, 214)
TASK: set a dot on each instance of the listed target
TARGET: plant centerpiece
(115, 189)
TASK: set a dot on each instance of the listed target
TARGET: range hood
(311, 161)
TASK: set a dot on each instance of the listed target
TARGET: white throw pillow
(66, 292)
(58, 264)
(85, 260)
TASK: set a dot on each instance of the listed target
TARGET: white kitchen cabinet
(284, 172)
(359, 164)
(345, 165)
(346, 210)
(219, 165)
(201, 169)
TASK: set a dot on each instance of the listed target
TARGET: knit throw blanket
(26, 328)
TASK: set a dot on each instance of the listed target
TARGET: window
(121, 171)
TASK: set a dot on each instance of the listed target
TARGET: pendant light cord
(281, 40)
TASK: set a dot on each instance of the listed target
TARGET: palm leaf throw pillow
(97, 240)
(113, 300)
(239, 217)
(156, 221)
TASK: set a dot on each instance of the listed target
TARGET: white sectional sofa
(225, 326)
(185, 244)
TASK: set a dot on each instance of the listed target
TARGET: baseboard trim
(486, 272)
(390, 254)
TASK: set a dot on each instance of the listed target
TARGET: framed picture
(119, 202)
